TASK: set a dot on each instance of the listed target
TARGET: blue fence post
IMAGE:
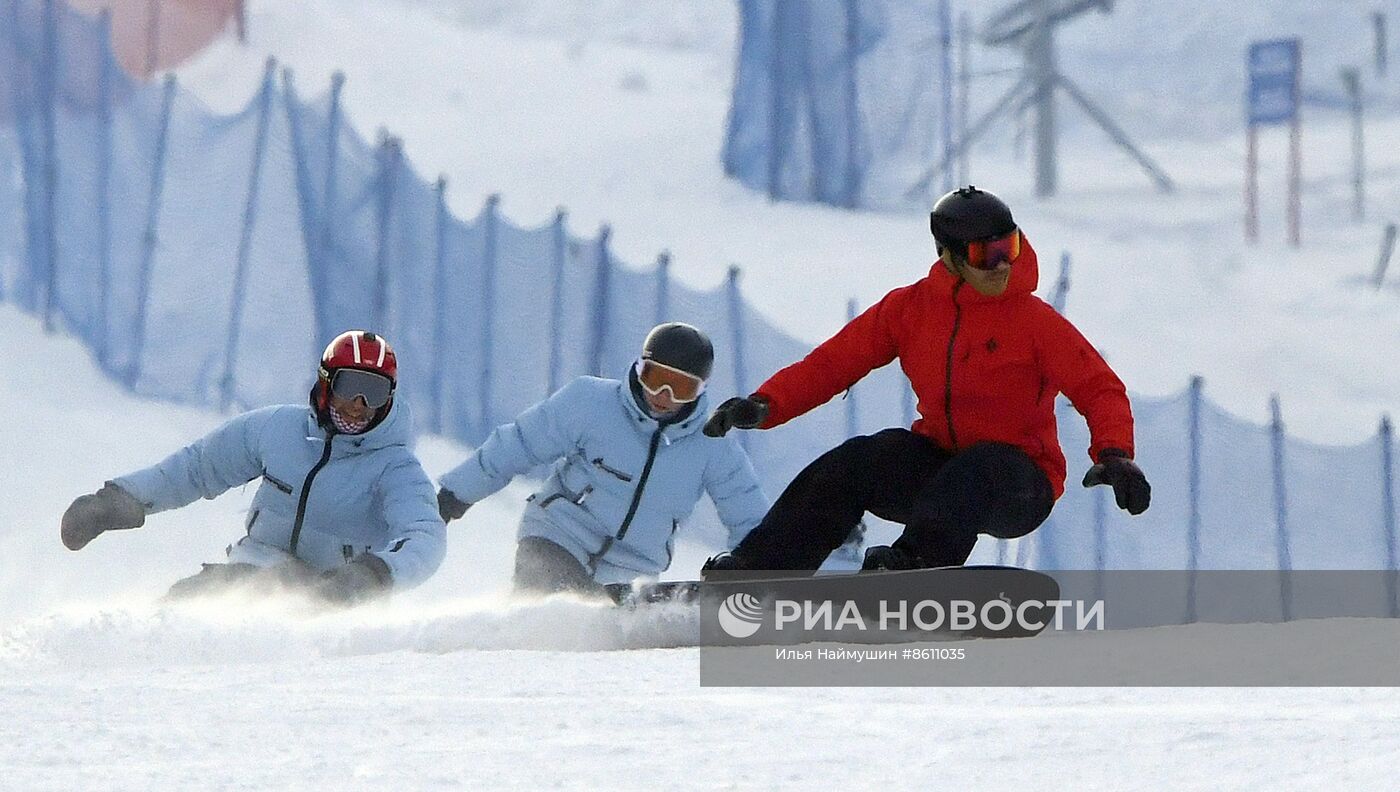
(1100, 539)
(390, 154)
(245, 238)
(49, 95)
(1193, 494)
(148, 246)
(1285, 559)
(777, 90)
(103, 204)
(326, 233)
(602, 304)
(663, 287)
(735, 301)
(853, 175)
(439, 397)
(1392, 553)
(556, 300)
(490, 215)
(310, 222)
(26, 280)
(1061, 296)
(945, 46)
(852, 406)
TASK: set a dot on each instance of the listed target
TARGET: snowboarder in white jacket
(629, 464)
(344, 508)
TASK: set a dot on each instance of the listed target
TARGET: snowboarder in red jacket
(986, 359)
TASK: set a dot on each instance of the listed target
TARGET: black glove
(1130, 487)
(364, 577)
(737, 413)
(449, 507)
(109, 509)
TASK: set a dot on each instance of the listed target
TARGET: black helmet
(680, 346)
(968, 214)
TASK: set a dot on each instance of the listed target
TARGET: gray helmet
(680, 346)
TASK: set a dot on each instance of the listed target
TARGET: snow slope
(451, 686)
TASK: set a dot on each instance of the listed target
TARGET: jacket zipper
(948, 371)
(306, 493)
(636, 501)
(641, 483)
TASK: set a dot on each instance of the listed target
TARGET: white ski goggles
(654, 378)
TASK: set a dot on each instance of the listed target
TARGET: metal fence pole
(602, 304)
(1285, 560)
(48, 98)
(490, 215)
(1392, 553)
(326, 246)
(735, 301)
(245, 239)
(945, 51)
(390, 156)
(306, 204)
(440, 359)
(1061, 297)
(852, 405)
(148, 247)
(663, 287)
(854, 174)
(103, 204)
(1193, 493)
(560, 255)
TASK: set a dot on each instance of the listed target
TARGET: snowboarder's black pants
(943, 499)
(543, 567)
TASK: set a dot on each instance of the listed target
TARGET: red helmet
(356, 349)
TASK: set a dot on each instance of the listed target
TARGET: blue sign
(1273, 81)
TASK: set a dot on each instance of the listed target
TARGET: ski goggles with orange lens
(988, 254)
(347, 383)
(657, 377)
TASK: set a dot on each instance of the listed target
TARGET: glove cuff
(1110, 453)
(128, 511)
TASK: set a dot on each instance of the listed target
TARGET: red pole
(1251, 185)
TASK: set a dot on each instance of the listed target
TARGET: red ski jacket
(983, 368)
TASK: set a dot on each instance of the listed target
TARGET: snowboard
(1025, 593)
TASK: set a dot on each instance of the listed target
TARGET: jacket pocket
(612, 471)
(576, 498)
(281, 485)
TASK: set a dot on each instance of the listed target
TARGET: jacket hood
(690, 424)
(1025, 278)
(395, 429)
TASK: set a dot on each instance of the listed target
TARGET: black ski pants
(943, 499)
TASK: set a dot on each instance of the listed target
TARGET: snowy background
(616, 110)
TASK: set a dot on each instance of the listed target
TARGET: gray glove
(109, 509)
(365, 577)
(449, 508)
